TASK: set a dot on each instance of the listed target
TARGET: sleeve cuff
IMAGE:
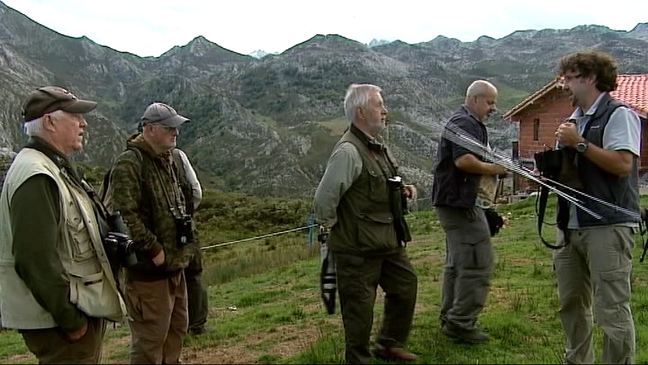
(155, 250)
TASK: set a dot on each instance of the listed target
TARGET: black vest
(620, 191)
(453, 186)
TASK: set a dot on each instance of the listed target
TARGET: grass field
(265, 305)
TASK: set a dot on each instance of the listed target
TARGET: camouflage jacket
(145, 189)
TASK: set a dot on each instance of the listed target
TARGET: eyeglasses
(166, 128)
(568, 78)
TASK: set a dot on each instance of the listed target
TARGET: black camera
(395, 182)
(184, 230)
(396, 187)
(322, 236)
(119, 247)
(559, 165)
(495, 221)
(398, 205)
(549, 163)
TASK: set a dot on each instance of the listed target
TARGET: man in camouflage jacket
(144, 187)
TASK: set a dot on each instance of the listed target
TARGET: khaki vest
(92, 286)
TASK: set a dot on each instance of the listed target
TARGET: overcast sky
(151, 27)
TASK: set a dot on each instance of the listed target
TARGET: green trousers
(357, 281)
(51, 346)
(197, 299)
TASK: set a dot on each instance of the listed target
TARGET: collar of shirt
(578, 113)
(465, 108)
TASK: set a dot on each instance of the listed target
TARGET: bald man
(457, 176)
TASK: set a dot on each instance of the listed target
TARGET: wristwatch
(582, 146)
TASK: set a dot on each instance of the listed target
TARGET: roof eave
(529, 100)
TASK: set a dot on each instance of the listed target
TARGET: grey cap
(163, 114)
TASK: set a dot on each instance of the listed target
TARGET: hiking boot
(196, 331)
(474, 336)
(393, 353)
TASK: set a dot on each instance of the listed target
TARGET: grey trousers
(596, 267)
(468, 266)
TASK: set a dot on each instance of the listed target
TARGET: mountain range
(259, 53)
(267, 125)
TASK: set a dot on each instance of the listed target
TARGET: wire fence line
(258, 237)
(277, 233)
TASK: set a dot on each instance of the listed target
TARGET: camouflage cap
(48, 99)
(163, 114)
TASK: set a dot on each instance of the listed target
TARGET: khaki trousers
(159, 312)
(51, 346)
(596, 267)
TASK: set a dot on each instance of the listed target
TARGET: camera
(549, 163)
(559, 165)
(495, 221)
(398, 206)
(119, 247)
(395, 182)
(396, 187)
(184, 230)
(322, 236)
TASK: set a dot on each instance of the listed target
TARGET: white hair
(35, 127)
(357, 95)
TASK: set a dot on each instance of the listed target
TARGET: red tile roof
(631, 89)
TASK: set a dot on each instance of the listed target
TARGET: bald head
(481, 98)
(480, 88)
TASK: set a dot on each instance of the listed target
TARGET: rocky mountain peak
(591, 28)
(208, 52)
(377, 42)
(640, 31)
(327, 43)
(259, 53)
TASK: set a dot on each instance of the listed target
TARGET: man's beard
(377, 127)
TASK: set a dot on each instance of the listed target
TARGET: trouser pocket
(471, 251)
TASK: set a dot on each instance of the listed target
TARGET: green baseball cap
(48, 99)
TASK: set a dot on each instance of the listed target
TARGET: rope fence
(310, 226)
(258, 237)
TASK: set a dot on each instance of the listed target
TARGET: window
(536, 129)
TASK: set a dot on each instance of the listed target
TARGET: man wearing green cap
(56, 284)
(144, 186)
